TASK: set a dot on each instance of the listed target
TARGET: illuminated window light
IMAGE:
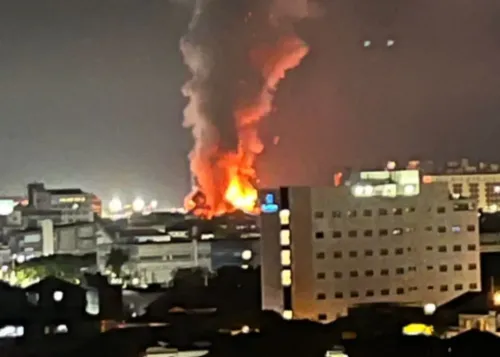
(246, 254)
(285, 237)
(286, 257)
(286, 277)
(409, 190)
(285, 217)
(287, 314)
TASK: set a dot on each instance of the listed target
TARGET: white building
(386, 238)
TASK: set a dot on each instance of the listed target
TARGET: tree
(62, 266)
(116, 259)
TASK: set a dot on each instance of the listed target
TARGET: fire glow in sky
(237, 53)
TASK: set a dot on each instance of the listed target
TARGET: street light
(496, 298)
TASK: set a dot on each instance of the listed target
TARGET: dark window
(353, 274)
(441, 210)
(384, 272)
(320, 276)
(400, 271)
(319, 214)
(443, 268)
(441, 229)
(428, 248)
(368, 233)
(383, 232)
(399, 251)
(459, 287)
(457, 248)
(353, 254)
(430, 287)
(472, 266)
(321, 296)
(322, 317)
(352, 213)
(384, 252)
(370, 293)
(471, 247)
(457, 267)
(354, 294)
(382, 212)
(473, 286)
(337, 234)
(384, 292)
(337, 275)
(471, 228)
(320, 235)
(369, 272)
(443, 288)
(353, 234)
(367, 213)
(337, 254)
(339, 295)
(410, 209)
(430, 267)
(442, 249)
(368, 253)
(320, 255)
(397, 211)
(400, 291)
(428, 228)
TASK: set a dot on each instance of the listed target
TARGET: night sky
(90, 92)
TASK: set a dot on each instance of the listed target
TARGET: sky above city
(90, 93)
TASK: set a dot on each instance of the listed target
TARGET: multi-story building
(47, 239)
(74, 203)
(155, 260)
(384, 238)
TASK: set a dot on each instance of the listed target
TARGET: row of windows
(397, 271)
(397, 291)
(395, 232)
(370, 213)
(385, 252)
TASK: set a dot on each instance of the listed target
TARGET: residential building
(155, 261)
(75, 238)
(384, 238)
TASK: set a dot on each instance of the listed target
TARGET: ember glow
(230, 92)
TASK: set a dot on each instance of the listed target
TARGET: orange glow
(226, 180)
(427, 179)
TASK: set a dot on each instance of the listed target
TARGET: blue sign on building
(269, 205)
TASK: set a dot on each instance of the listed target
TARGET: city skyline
(91, 97)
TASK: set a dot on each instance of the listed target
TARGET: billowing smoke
(237, 52)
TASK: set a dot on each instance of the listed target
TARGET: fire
(224, 174)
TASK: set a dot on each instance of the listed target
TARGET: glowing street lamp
(496, 298)
(138, 205)
(115, 205)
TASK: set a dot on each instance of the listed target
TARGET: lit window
(287, 314)
(285, 237)
(285, 217)
(397, 231)
(286, 257)
(286, 277)
(455, 229)
(58, 295)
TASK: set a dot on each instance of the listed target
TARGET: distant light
(75, 206)
(287, 314)
(391, 165)
(496, 298)
(245, 329)
(358, 190)
(20, 258)
(496, 189)
(138, 205)
(154, 204)
(409, 190)
(363, 191)
(6, 207)
(390, 43)
(367, 43)
(58, 295)
(115, 205)
(429, 309)
(246, 254)
(368, 190)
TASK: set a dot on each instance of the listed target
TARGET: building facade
(385, 238)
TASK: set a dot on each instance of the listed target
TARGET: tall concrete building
(383, 238)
